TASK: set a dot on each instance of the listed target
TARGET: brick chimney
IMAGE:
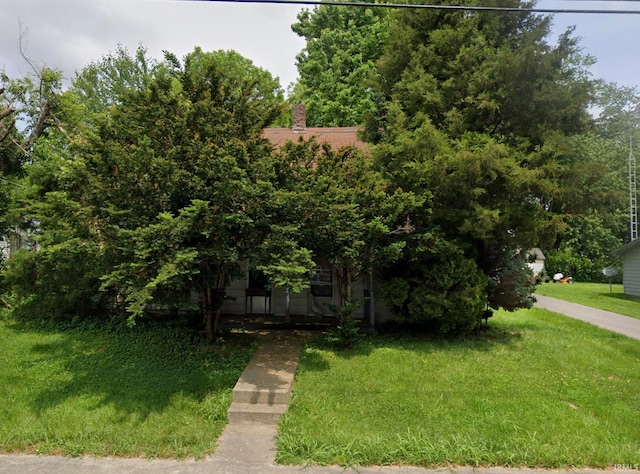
(298, 117)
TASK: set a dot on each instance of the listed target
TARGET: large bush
(445, 292)
(580, 268)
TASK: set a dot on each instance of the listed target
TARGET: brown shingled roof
(337, 137)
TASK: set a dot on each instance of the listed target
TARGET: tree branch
(5, 133)
(5, 113)
(39, 126)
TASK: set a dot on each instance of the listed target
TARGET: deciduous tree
(343, 45)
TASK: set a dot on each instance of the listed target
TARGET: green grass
(113, 391)
(537, 390)
(596, 295)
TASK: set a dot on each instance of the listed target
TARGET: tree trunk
(349, 286)
(208, 314)
(372, 299)
(287, 305)
(216, 323)
(213, 305)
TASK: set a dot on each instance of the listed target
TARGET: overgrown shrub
(60, 285)
(511, 281)
(446, 292)
(346, 334)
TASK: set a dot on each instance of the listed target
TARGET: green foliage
(511, 283)
(475, 109)
(345, 210)
(27, 109)
(482, 200)
(586, 249)
(579, 268)
(486, 73)
(442, 290)
(162, 181)
(104, 83)
(346, 334)
(343, 45)
(592, 175)
(59, 281)
(287, 265)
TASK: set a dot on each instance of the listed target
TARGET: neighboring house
(249, 296)
(536, 261)
(630, 254)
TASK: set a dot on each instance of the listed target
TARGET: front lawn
(109, 390)
(537, 390)
(596, 295)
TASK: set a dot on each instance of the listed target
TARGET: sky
(69, 34)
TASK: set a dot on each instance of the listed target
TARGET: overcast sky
(68, 34)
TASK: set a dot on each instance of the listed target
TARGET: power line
(432, 7)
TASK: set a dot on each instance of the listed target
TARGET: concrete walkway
(260, 396)
(605, 319)
(59, 465)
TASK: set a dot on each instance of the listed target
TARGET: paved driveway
(605, 319)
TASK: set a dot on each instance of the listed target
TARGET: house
(250, 295)
(630, 254)
(536, 262)
(337, 137)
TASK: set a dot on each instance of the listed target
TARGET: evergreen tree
(472, 100)
(157, 194)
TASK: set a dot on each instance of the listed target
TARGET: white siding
(631, 275)
(235, 297)
(238, 303)
(4, 249)
(537, 266)
(299, 302)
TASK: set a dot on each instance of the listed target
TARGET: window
(322, 282)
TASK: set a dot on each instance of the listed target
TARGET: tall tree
(343, 45)
(167, 185)
(28, 107)
(106, 82)
(486, 72)
(594, 186)
(471, 100)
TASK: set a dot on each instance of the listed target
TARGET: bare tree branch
(39, 126)
(4, 134)
(5, 113)
(23, 50)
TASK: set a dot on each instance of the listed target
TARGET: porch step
(248, 393)
(263, 391)
(255, 413)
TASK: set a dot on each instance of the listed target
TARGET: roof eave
(626, 248)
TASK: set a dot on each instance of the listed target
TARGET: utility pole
(633, 202)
